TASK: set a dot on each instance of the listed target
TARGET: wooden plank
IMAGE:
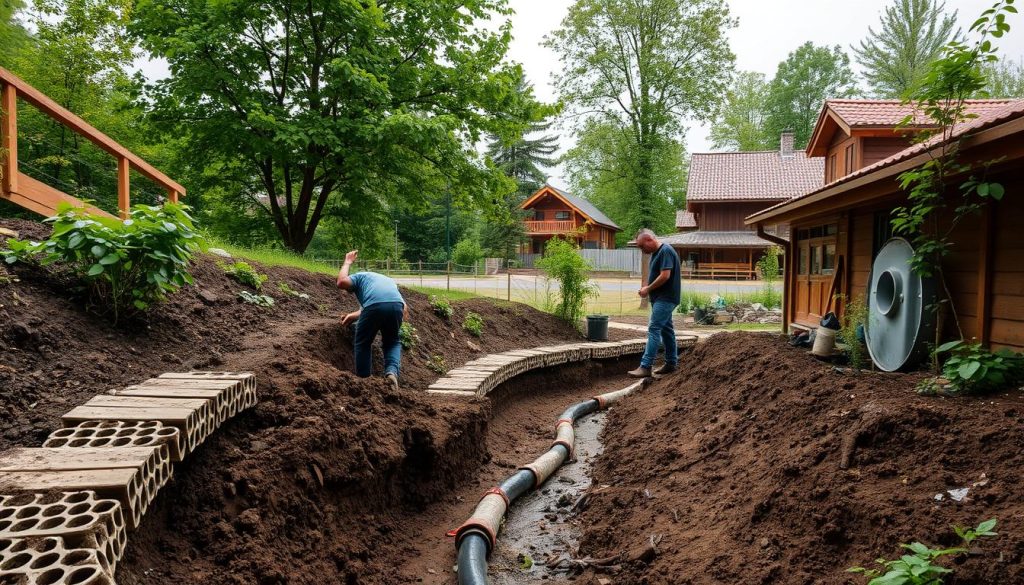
(1008, 333)
(84, 129)
(1008, 283)
(170, 392)
(1010, 308)
(43, 199)
(119, 401)
(983, 307)
(99, 480)
(123, 187)
(63, 459)
(9, 138)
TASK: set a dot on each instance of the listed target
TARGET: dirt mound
(758, 464)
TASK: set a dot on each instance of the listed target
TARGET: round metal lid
(900, 320)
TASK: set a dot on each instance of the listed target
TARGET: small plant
(442, 308)
(407, 336)
(125, 265)
(973, 369)
(563, 263)
(917, 568)
(284, 288)
(855, 317)
(245, 274)
(256, 299)
(688, 301)
(473, 323)
(436, 364)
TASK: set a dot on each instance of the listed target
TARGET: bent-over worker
(663, 288)
(382, 309)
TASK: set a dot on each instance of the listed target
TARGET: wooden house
(552, 212)
(838, 228)
(723, 188)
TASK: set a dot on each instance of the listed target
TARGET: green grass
(451, 295)
(271, 257)
(754, 327)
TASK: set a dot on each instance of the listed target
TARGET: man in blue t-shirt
(382, 309)
(662, 288)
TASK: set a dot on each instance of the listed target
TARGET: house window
(816, 250)
(849, 160)
(802, 252)
(538, 215)
(561, 215)
(828, 264)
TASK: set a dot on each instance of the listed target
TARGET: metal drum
(901, 319)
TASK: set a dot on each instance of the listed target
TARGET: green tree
(809, 76)
(12, 35)
(912, 36)
(563, 263)
(1003, 79)
(371, 104)
(643, 67)
(741, 125)
(604, 169)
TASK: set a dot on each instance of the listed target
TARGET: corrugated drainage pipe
(478, 536)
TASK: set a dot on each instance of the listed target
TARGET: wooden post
(9, 139)
(448, 276)
(123, 187)
(984, 307)
(172, 195)
(509, 272)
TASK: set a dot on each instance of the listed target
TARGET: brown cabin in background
(552, 212)
(722, 189)
(838, 229)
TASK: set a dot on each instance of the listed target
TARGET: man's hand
(644, 291)
(351, 256)
(349, 318)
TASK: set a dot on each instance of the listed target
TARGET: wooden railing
(715, 270)
(550, 227)
(36, 196)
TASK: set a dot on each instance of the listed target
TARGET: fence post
(421, 272)
(123, 187)
(448, 275)
(9, 138)
(508, 270)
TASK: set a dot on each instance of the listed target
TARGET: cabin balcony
(550, 227)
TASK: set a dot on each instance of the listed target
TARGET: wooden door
(815, 266)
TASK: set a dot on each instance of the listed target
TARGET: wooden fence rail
(36, 196)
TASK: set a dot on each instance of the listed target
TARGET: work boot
(640, 372)
(393, 380)
(665, 369)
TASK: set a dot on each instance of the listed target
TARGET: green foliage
(769, 265)
(741, 126)
(442, 308)
(767, 296)
(474, 324)
(918, 568)
(896, 58)
(467, 252)
(855, 315)
(562, 262)
(126, 266)
(970, 368)
(802, 82)
(256, 299)
(676, 69)
(355, 106)
(407, 336)
(688, 301)
(244, 273)
(437, 364)
(288, 290)
(1003, 79)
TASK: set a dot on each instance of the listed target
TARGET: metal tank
(901, 318)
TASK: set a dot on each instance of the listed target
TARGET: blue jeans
(385, 318)
(660, 331)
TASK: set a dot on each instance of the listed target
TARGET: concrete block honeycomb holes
(51, 561)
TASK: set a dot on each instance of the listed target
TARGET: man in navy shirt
(662, 288)
(382, 309)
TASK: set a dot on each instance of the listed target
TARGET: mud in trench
(541, 524)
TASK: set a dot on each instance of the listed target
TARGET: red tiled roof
(709, 239)
(1007, 110)
(858, 113)
(685, 219)
(752, 176)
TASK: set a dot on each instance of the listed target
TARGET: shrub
(437, 364)
(917, 568)
(563, 263)
(769, 265)
(245, 274)
(441, 307)
(767, 296)
(971, 368)
(126, 266)
(473, 323)
(688, 301)
(407, 336)
(467, 252)
(855, 315)
(256, 299)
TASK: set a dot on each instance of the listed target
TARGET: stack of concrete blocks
(75, 497)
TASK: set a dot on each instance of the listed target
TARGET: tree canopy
(1003, 79)
(809, 76)
(897, 56)
(741, 125)
(358, 105)
(636, 71)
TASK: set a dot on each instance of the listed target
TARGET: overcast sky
(768, 30)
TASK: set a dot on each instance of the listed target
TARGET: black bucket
(597, 327)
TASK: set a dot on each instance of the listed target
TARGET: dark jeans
(661, 333)
(385, 318)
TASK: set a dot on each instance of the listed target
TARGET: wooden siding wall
(727, 216)
(876, 149)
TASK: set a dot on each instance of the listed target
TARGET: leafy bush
(769, 265)
(245, 274)
(441, 307)
(855, 315)
(437, 364)
(971, 368)
(917, 568)
(126, 266)
(256, 299)
(407, 336)
(467, 252)
(473, 323)
(688, 301)
(563, 263)
(284, 288)
(767, 296)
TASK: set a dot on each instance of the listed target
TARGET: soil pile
(758, 464)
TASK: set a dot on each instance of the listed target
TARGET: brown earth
(314, 484)
(758, 464)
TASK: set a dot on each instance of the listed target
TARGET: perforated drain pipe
(478, 536)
